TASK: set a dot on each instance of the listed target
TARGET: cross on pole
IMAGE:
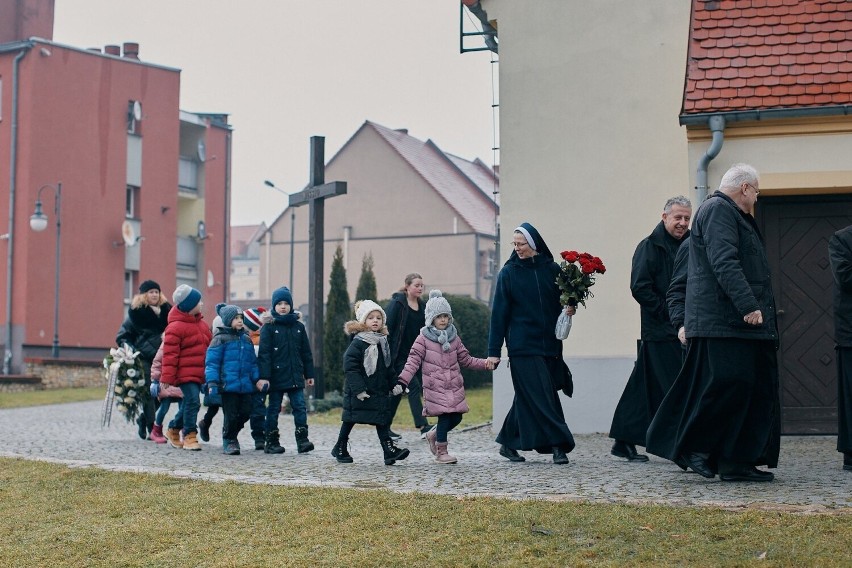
(315, 195)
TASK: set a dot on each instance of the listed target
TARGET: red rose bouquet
(577, 276)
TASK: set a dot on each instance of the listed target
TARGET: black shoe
(341, 451)
(847, 461)
(272, 445)
(392, 453)
(681, 463)
(559, 456)
(393, 435)
(747, 474)
(628, 451)
(425, 430)
(143, 428)
(203, 430)
(511, 455)
(231, 448)
(303, 445)
(259, 445)
(697, 464)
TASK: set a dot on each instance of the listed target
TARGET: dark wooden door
(797, 230)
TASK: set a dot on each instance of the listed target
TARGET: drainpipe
(717, 127)
(10, 245)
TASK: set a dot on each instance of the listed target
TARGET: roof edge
(764, 114)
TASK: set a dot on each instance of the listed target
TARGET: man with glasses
(659, 357)
(722, 415)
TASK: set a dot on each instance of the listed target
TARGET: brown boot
(442, 455)
(173, 436)
(190, 442)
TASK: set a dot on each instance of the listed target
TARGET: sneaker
(231, 448)
(394, 435)
(425, 430)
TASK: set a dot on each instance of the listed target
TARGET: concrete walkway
(810, 477)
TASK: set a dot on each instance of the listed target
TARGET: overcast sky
(285, 70)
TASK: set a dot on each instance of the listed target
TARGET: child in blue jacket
(231, 368)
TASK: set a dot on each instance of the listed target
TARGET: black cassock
(844, 399)
(724, 403)
(657, 366)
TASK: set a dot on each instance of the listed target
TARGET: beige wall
(392, 213)
(591, 148)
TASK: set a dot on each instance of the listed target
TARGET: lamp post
(292, 228)
(38, 223)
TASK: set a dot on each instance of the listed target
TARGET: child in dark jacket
(184, 349)
(231, 370)
(369, 378)
(441, 354)
(285, 360)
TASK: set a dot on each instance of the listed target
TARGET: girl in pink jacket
(441, 354)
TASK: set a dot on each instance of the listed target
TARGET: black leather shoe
(559, 456)
(747, 474)
(628, 451)
(847, 461)
(697, 464)
(511, 455)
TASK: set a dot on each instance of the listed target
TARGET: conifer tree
(367, 281)
(337, 312)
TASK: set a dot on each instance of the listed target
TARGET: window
(129, 287)
(249, 295)
(130, 205)
(250, 269)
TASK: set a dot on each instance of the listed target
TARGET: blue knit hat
(185, 298)
(282, 294)
(228, 312)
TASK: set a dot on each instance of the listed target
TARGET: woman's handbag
(563, 326)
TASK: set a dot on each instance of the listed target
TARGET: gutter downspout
(10, 245)
(717, 127)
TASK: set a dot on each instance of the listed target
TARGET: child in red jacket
(184, 349)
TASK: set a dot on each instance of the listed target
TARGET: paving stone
(809, 477)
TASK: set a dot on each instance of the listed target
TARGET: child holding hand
(441, 354)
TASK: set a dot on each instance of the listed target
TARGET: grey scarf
(442, 336)
(371, 355)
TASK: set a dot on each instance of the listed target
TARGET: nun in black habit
(526, 307)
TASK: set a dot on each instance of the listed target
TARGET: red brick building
(139, 197)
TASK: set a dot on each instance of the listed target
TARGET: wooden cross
(315, 195)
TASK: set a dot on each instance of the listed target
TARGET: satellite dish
(202, 151)
(128, 233)
(137, 110)
(210, 279)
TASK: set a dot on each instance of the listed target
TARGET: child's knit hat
(186, 298)
(252, 318)
(228, 312)
(282, 294)
(363, 309)
(436, 306)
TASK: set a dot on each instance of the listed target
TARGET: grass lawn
(50, 396)
(51, 515)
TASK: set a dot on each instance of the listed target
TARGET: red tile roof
(242, 236)
(747, 55)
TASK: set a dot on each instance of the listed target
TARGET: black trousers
(237, 409)
(844, 399)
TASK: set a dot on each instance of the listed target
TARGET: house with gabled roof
(409, 204)
(607, 108)
(245, 262)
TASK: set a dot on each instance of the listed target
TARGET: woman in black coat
(526, 307)
(369, 379)
(143, 331)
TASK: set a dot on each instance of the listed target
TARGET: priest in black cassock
(840, 256)
(722, 415)
(659, 356)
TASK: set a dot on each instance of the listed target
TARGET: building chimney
(23, 19)
(131, 50)
(113, 50)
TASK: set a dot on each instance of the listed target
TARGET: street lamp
(38, 223)
(292, 228)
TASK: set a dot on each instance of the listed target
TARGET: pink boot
(431, 437)
(442, 455)
(157, 434)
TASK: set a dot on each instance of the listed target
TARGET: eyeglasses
(756, 191)
(519, 245)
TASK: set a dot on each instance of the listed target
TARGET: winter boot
(341, 451)
(302, 443)
(432, 438)
(190, 442)
(204, 430)
(259, 443)
(173, 436)
(142, 427)
(392, 453)
(231, 447)
(442, 456)
(272, 445)
(157, 434)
